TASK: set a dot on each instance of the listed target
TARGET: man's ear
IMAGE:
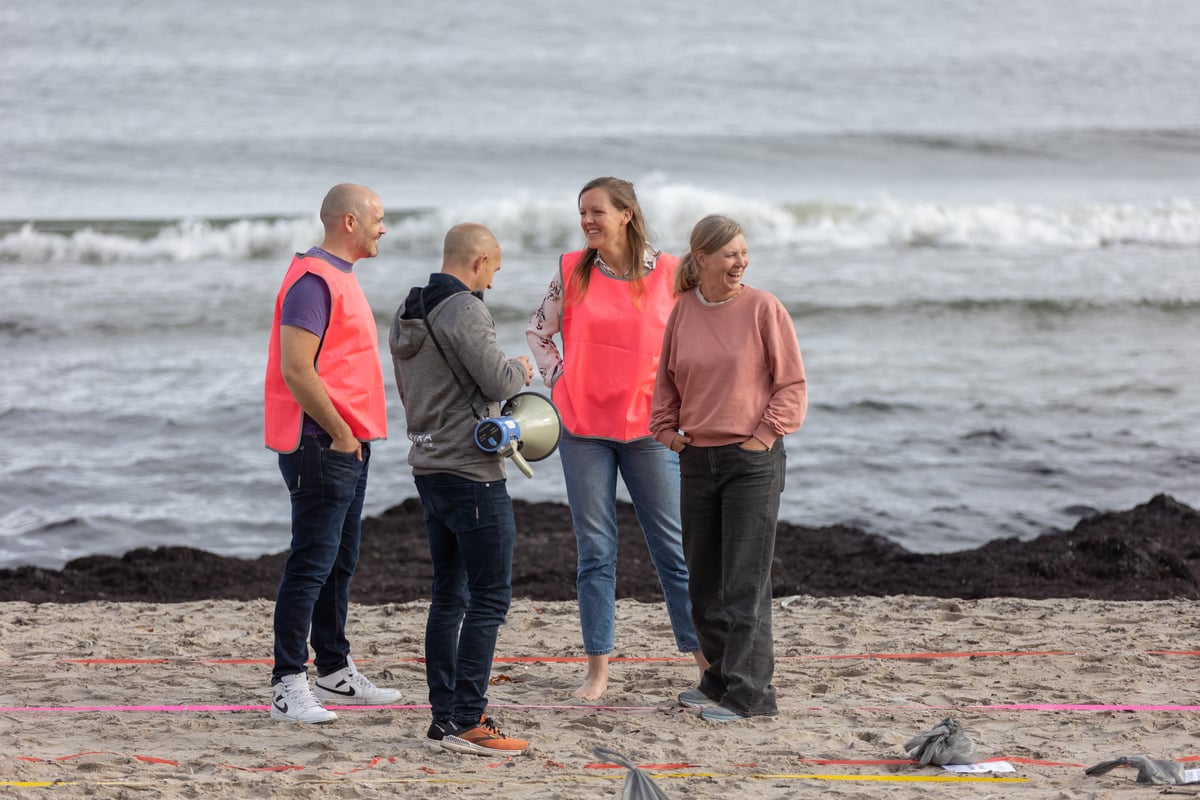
(476, 268)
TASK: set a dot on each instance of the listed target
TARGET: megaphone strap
(428, 327)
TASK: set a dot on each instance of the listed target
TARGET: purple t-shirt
(307, 306)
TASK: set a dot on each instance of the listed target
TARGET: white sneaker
(350, 687)
(293, 701)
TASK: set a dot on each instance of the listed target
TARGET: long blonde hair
(708, 236)
(621, 195)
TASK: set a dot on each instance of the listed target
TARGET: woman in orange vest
(609, 303)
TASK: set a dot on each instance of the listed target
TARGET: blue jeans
(471, 534)
(327, 489)
(651, 474)
(730, 512)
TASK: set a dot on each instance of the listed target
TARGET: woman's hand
(754, 444)
(680, 441)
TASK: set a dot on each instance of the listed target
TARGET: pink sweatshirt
(729, 372)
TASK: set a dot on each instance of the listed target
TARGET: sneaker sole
(341, 700)
(723, 717)
(281, 717)
(457, 745)
(706, 702)
(697, 705)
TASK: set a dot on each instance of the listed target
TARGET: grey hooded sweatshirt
(440, 420)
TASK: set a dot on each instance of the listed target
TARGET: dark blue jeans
(327, 489)
(471, 534)
(730, 508)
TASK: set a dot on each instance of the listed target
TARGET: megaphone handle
(521, 463)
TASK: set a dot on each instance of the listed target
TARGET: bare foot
(596, 680)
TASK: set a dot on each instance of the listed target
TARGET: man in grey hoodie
(451, 372)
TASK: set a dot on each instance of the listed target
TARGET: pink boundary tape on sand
(557, 660)
(614, 659)
(177, 709)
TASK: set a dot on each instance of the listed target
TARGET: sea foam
(530, 223)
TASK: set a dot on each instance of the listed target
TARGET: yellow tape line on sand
(52, 784)
(897, 778)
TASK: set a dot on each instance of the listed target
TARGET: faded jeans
(730, 511)
(651, 474)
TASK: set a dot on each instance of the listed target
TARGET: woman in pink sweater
(730, 385)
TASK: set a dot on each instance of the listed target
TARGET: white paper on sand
(987, 766)
(1189, 775)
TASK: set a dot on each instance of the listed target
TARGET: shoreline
(1150, 552)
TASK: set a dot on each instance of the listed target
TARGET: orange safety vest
(611, 349)
(347, 361)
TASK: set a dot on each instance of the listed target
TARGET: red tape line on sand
(378, 761)
(135, 756)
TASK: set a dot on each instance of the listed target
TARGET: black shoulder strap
(425, 316)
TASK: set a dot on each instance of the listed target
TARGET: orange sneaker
(484, 739)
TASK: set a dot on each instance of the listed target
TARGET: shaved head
(466, 241)
(471, 254)
(353, 220)
(343, 199)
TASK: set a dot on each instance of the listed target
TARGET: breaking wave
(527, 223)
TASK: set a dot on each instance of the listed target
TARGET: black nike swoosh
(343, 692)
(283, 708)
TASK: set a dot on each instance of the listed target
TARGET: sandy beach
(169, 700)
(983, 220)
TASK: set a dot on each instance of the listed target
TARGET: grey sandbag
(1150, 770)
(638, 785)
(943, 744)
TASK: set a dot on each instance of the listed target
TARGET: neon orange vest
(610, 350)
(348, 362)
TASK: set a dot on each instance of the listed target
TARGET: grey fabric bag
(638, 785)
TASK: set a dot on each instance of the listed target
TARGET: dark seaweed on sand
(1151, 552)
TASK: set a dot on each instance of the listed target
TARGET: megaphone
(528, 429)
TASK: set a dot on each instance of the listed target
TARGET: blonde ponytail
(687, 274)
(708, 236)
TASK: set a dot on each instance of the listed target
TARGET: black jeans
(327, 489)
(730, 508)
(471, 535)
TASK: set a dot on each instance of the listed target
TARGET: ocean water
(984, 219)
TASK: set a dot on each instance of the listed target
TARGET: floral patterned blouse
(547, 320)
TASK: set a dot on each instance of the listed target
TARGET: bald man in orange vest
(324, 405)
